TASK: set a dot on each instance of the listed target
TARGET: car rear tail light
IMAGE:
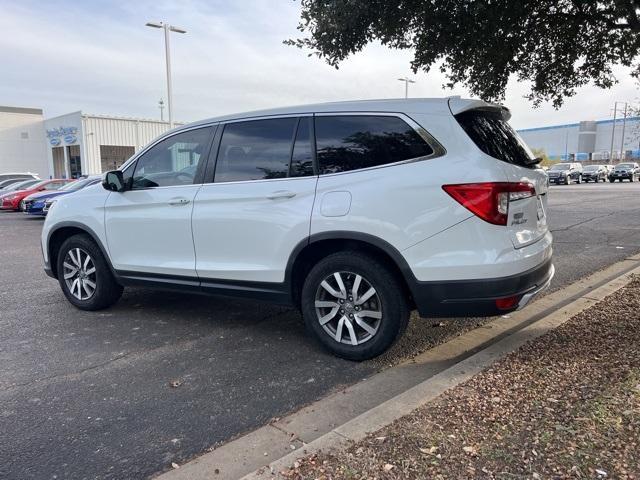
(490, 200)
(507, 303)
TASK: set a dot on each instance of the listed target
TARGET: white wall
(22, 141)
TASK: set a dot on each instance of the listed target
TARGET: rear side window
(255, 150)
(351, 142)
(494, 136)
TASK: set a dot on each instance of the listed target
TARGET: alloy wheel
(348, 308)
(79, 273)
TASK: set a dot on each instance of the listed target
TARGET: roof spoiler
(458, 105)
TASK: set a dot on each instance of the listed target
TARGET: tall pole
(167, 53)
(406, 81)
(624, 124)
(566, 143)
(613, 131)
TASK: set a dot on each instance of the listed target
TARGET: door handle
(281, 194)
(179, 201)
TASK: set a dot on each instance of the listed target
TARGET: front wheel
(354, 305)
(84, 274)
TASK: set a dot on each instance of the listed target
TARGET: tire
(579, 181)
(567, 180)
(73, 253)
(597, 179)
(611, 180)
(631, 178)
(389, 300)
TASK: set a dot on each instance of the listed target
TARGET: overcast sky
(99, 57)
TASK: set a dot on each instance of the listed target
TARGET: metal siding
(119, 132)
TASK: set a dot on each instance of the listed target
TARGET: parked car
(17, 175)
(21, 185)
(35, 203)
(11, 181)
(595, 173)
(11, 201)
(625, 171)
(356, 212)
(565, 173)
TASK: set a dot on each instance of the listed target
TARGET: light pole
(624, 125)
(406, 81)
(161, 107)
(167, 29)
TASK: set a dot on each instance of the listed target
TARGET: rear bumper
(477, 298)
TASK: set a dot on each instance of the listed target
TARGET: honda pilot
(354, 212)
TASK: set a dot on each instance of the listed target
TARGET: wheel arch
(60, 233)
(308, 252)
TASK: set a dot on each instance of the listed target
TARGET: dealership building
(587, 140)
(70, 145)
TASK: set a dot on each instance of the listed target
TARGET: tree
(540, 153)
(556, 45)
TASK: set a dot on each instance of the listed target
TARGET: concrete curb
(335, 422)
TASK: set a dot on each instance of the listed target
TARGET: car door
(256, 207)
(148, 226)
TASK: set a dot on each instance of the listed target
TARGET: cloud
(100, 58)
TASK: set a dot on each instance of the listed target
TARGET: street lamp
(406, 81)
(167, 28)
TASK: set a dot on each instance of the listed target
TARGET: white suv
(356, 212)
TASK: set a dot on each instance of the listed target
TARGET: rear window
(495, 137)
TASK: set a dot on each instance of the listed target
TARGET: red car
(11, 201)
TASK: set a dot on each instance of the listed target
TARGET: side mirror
(113, 181)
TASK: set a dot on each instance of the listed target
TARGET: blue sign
(69, 134)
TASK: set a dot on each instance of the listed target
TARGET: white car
(356, 212)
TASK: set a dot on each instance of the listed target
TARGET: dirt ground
(566, 405)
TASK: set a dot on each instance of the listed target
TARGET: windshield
(592, 168)
(80, 184)
(76, 185)
(561, 166)
(626, 165)
(21, 185)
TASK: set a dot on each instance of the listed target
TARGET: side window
(255, 150)
(350, 142)
(173, 161)
(302, 157)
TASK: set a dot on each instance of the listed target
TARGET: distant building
(22, 144)
(70, 145)
(587, 140)
(81, 144)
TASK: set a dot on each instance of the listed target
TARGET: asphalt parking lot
(90, 395)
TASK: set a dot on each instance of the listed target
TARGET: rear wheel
(354, 305)
(84, 274)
